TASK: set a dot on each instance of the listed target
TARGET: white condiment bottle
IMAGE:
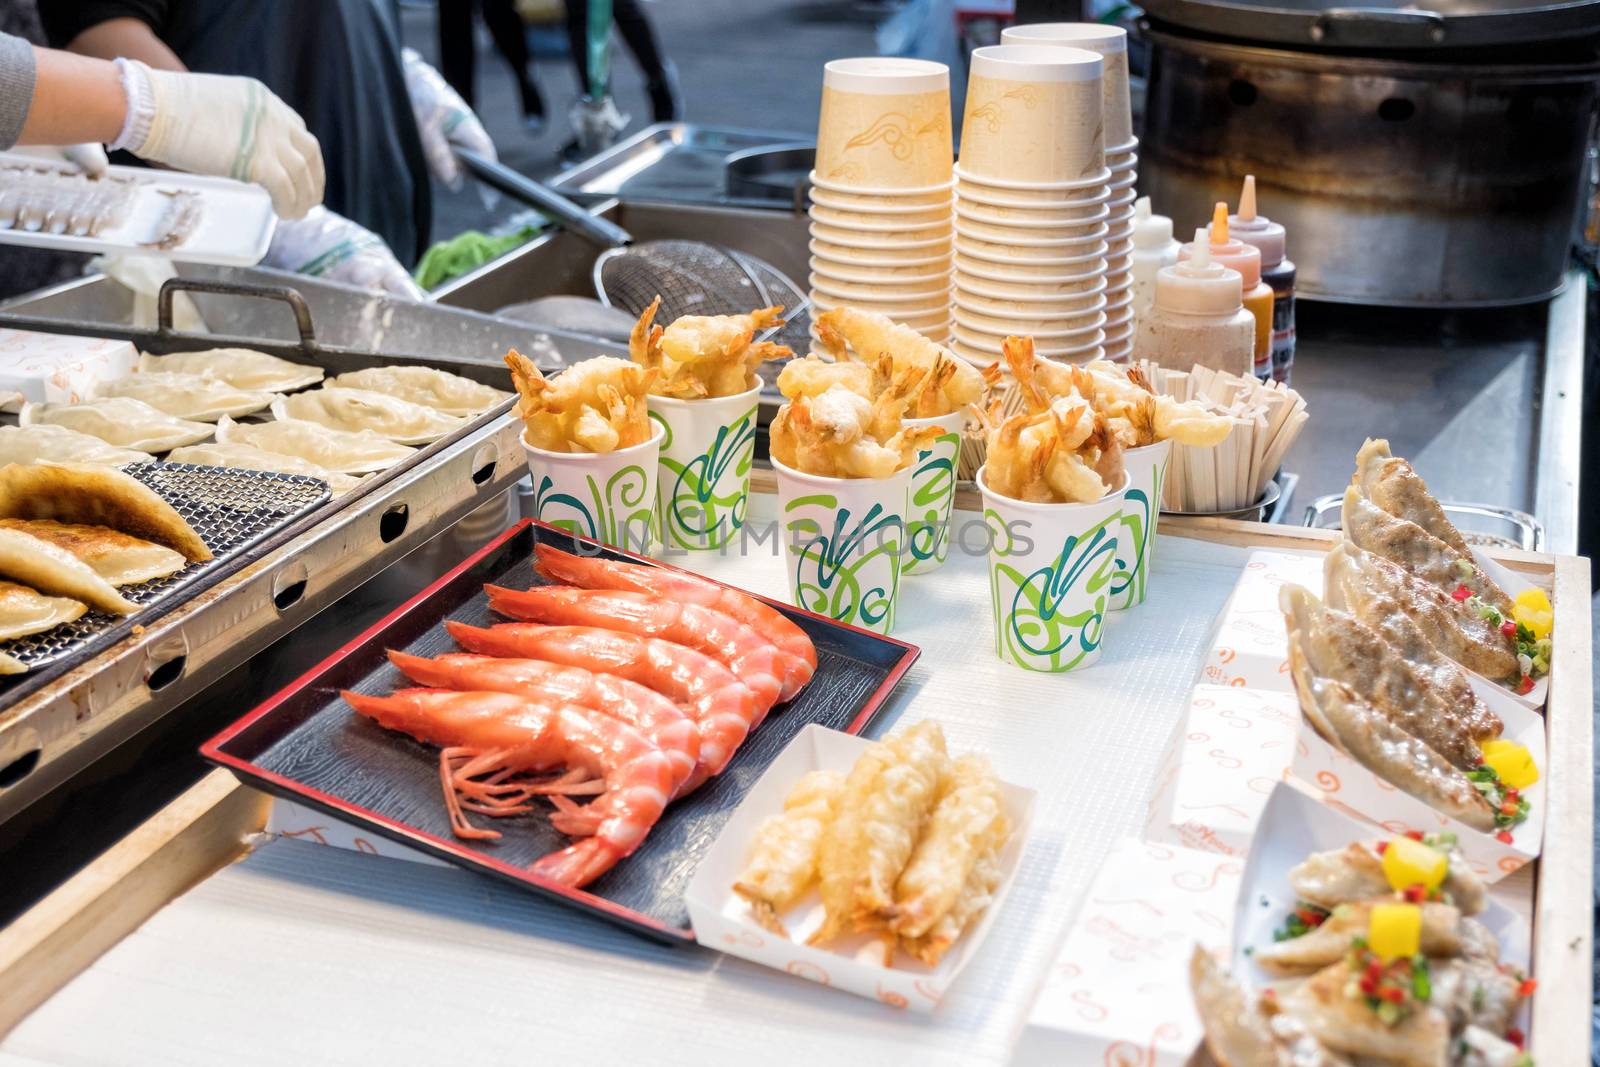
(1198, 317)
(1154, 247)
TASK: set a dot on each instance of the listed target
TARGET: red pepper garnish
(1414, 894)
(1508, 628)
(1504, 837)
(1516, 1037)
(1415, 835)
(1525, 686)
(1369, 985)
(1374, 969)
(1512, 794)
(1461, 593)
(1393, 994)
(1525, 990)
(1383, 846)
(1508, 808)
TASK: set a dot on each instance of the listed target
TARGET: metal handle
(603, 232)
(1332, 21)
(292, 297)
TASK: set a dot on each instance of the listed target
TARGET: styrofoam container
(930, 237)
(879, 257)
(913, 275)
(722, 919)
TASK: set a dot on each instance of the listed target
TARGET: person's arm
(127, 38)
(75, 99)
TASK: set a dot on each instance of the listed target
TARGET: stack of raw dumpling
(354, 425)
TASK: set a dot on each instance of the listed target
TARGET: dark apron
(336, 62)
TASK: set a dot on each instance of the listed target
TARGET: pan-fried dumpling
(436, 389)
(25, 611)
(187, 396)
(1345, 1024)
(362, 409)
(341, 451)
(55, 571)
(1392, 484)
(114, 556)
(30, 444)
(242, 368)
(120, 421)
(251, 458)
(1417, 550)
(96, 496)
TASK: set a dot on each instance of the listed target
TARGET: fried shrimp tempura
(842, 432)
(886, 798)
(594, 406)
(783, 861)
(701, 356)
(976, 894)
(1065, 454)
(957, 834)
(951, 384)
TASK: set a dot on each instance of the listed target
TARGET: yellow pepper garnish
(1407, 863)
(1511, 761)
(1532, 609)
(1395, 930)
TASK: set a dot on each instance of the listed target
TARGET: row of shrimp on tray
(629, 686)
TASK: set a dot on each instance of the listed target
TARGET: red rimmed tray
(305, 743)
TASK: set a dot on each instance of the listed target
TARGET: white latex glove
(325, 245)
(443, 119)
(231, 127)
(89, 158)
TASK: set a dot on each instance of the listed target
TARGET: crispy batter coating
(951, 384)
(1065, 454)
(957, 834)
(843, 431)
(595, 406)
(783, 860)
(701, 356)
(976, 894)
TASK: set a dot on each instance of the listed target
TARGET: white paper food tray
(234, 228)
(1118, 991)
(722, 919)
(52, 368)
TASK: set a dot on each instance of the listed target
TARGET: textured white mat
(308, 954)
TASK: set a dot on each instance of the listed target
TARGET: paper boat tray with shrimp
(379, 768)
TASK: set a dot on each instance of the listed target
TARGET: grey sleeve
(16, 87)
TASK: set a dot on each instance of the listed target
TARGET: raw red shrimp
(722, 705)
(658, 718)
(593, 572)
(749, 655)
(489, 737)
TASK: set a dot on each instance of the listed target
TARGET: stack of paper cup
(1111, 43)
(881, 192)
(1031, 195)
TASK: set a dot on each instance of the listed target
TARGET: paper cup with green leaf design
(609, 496)
(844, 544)
(933, 490)
(703, 484)
(1147, 472)
(1051, 568)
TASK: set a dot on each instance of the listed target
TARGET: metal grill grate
(230, 510)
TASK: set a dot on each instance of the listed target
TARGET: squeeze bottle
(1246, 259)
(1153, 248)
(1198, 318)
(1277, 270)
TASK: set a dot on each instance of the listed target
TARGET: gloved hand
(89, 158)
(232, 127)
(325, 245)
(443, 119)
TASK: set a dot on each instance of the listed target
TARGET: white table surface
(303, 954)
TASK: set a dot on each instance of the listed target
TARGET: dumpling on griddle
(242, 368)
(96, 496)
(341, 451)
(1417, 550)
(113, 555)
(250, 458)
(31, 444)
(338, 408)
(436, 389)
(40, 565)
(1393, 485)
(187, 396)
(121, 421)
(25, 611)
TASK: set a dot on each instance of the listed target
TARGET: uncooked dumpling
(187, 396)
(114, 556)
(96, 496)
(436, 389)
(25, 611)
(242, 368)
(30, 444)
(250, 458)
(120, 421)
(342, 451)
(42, 566)
(362, 409)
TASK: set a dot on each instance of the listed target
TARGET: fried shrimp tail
(597, 405)
(953, 383)
(783, 860)
(702, 356)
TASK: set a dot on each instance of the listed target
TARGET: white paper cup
(1051, 236)
(877, 206)
(1141, 507)
(1078, 195)
(983, 331)
(883, 223)
(1051, 567)
(984, 348)
(884, 123)
(607, 496)
(913, 276)
(967, 211)
(1068, 259)
(880, 257)
(1117, 162)
(1030, 273)
(1089, 300)
(937, 289)
(1121, 204)
(1087, 187)
(1033, 114)
(1111, 42)
(848, 196)
(844, 544)
(934, 307)
(926, 238)
(703, 480)
(977, 275)
(1121, 180)
(932, 493)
